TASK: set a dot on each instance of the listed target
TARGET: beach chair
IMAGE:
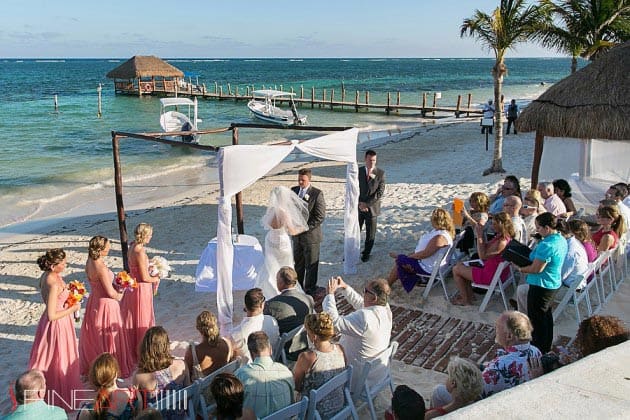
(605, 274)
(295, 411)
(574, 295)
(279, 352)
(364, 393)
(207, 408)
(179, 403)
(496, 285)
(439, 273)
(342, 380)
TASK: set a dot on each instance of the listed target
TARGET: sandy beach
(425, 169)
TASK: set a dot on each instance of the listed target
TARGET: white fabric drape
(241, 165)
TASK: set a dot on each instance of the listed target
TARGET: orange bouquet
(77, 293)
(124, 282)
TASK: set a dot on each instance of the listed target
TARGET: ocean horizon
(59, 163)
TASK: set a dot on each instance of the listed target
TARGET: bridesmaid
(137, 306)
(102, 330)
(54, 350)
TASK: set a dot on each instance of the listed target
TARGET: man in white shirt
(553, 204)
(254, 320)
(488, 113)
(365, 332)
(512, 206)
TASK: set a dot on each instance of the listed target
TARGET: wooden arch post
(538, 151)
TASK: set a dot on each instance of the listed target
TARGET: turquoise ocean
(58, 164)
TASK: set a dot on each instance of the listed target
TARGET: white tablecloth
(248, 261)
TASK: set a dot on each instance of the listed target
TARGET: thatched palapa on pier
(593, 103)
(145, 74)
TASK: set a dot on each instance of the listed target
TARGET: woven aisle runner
(427, 340)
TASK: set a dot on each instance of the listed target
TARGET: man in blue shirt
(30, 389)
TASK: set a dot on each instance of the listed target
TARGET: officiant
(371, 189)
(306, 244)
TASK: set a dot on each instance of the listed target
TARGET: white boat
(172, 119)
(263, 106)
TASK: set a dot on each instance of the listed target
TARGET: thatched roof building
(140, 66)
(593, 103)
(145, 75)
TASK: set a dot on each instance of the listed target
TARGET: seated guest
(157, 369)
(212, 353)
(553, 204)
(365, 332)
(315, 367)
(599, 332)
(576, 261)
(30, 390)
(290, 308)
(532, 207)
(512, 206)
(478, 215)
(462, 387)
(407, 404)
(612, 227)
(490, 253)
(229, 394)
(511, 366)
(111, 402)
(421, 261)
(509, 187)
(618, 192)
(254, 320)
(563, 190)
(268, 385)
(582, 233)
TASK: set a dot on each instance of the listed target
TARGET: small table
(248, 261)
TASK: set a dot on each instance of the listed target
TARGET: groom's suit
(306, 244)
(370, 193)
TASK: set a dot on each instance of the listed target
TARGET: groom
(306, 244)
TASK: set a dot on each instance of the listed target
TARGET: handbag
(517, 253)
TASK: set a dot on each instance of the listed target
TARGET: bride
(287, 215)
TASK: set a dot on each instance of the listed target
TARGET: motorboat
(172, 119)
(263, 106)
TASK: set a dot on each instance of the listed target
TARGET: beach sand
(424, 170)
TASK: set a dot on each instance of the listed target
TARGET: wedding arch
(242, 165)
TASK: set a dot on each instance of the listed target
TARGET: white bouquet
(158, 266)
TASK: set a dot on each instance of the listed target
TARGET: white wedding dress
(286, 212)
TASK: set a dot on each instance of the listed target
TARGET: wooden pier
(323, 99)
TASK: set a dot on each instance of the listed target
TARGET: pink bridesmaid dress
(55, 353)
(137, 311)
(103, 331)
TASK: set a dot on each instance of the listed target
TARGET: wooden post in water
(236, 93)
(56, 103)
(332, 95)
(221, 92)
(459, 104)
(313, 97)
(367, 98)
(99, 112)
(424, 104)
(389, 98)
(247, 91)
(469, 103)
(301, 91)
(323, 97)
(281, 88)
(343, 95)
(120, 208)
(434, 102)
(356, 102)
(292, 89)
(216, 88)
(398, 101)
(203, 92)
(239, 195)
(229, 90)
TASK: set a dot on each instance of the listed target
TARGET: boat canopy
(176, 101)
(272, 93)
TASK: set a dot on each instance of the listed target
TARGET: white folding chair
(364, 393)
(295, 411)
(181, 403)
(497, 285)
(439, 272)
(279, 352)
(207, 408)
(575, 296)
(605, 272)
(342, 380)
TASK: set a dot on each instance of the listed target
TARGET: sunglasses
(366, 290)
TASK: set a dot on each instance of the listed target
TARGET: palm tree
(587, 28)
(511, 23)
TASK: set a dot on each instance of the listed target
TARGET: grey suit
(370, 193)
(290, 308)
(306, 244)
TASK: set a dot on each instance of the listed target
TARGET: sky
(242, 28)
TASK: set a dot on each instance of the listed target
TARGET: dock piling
(99, 112)
(56, 103)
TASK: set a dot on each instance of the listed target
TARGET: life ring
(147, 88)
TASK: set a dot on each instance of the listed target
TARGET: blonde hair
(142, 232)
(321, 325)
(612, 212)
(441, 219)
(155, 352)
(97, 244)
(506, 227)
(480, 201)
(466, 377)
(207, 326)
(518, 324)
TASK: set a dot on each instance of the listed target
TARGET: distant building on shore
(147, 75)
